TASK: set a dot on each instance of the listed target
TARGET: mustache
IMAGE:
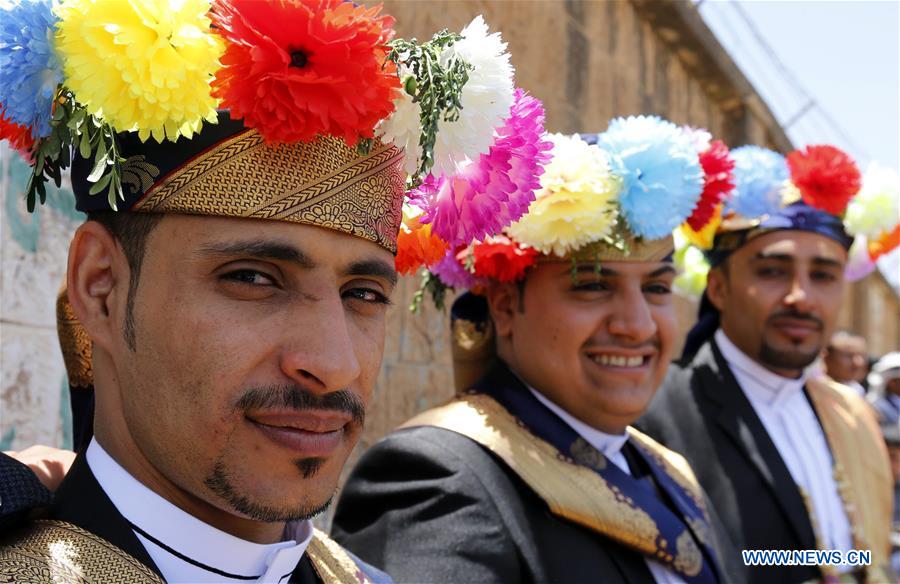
(797, 315)
(294, 397)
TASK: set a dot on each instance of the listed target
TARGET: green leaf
(100, 184)
(84, 145)
(98, 170)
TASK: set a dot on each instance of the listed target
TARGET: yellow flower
(142, 65)
(692, 268)
(875, 210)
(703, 239)
(576, 204)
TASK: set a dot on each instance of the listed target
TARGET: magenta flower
(488, 195)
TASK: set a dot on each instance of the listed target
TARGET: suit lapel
(739, 420)
(81, 501)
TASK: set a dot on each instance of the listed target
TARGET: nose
(632, 320)
(319, 352)
(798, 297)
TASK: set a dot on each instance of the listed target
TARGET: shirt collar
(609, 444)
(771, 388)
(185, 533)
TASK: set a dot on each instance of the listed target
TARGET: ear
(717, 287)
(97, 282)
(503, 301)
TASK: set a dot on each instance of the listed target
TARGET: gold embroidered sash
(59, 552)
(572, 491)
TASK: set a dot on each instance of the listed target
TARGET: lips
(310, 433)
(796, 328)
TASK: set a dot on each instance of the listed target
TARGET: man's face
(846, 358)
(595, 344)
(892, 386)
(779, 296)
(258, 344)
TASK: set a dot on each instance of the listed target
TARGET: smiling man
(790, 460)
(533, 473)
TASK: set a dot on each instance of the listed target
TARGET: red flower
(417, 247)
(295, 69)
(826, 177)
(19, 137)
(501, 259)
(718, 177)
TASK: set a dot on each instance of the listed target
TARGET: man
(886, 388)
(847, 360)
(789, 461)
(226, 310)
(532, 473)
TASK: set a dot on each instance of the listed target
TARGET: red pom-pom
(296, 69)
(417, 246)
(718, 180)
(18, 136)
(501, 259)
(826, 177)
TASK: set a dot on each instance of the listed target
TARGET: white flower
(404, 128)
(486, 98)
(875, 210)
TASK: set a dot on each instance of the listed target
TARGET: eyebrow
(260, 249)
(376, 268)
(783, 257)
(608, 273)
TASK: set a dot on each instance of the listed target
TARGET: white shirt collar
(609, 444)
(188, 535)
(769, 387)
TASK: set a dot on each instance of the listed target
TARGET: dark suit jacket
(429, 505)
(81, 501)
(703, 414)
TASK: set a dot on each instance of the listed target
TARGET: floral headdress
(613, 196)
(294, 110)
(818, 188)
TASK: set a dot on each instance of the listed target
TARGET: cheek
(667, 328)
(368, 339)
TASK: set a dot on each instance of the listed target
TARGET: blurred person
(533, 472)
(885, 383)
(847, 360)
(778, 450)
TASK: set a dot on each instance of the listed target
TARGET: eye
(770, 272)
(592, 286)
(249, 277)
(821, 276)
(367, 295)
(658, 288)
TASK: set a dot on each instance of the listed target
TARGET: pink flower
(488, 195)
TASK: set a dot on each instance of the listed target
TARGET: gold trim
(55, 551)
(323, 183)
(332, 563)
(635, 250)
(571, 491)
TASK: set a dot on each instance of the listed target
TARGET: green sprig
(432, 285)
(435, 86)
(74, 130)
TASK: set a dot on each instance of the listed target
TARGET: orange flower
(417, 246)
(884, 244)
(296, 69)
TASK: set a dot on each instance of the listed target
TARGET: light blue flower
(759, 176)
(661, 174)
(29, 69)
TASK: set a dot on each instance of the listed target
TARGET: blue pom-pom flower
(661, 174)
(29, 69)
(759, 176)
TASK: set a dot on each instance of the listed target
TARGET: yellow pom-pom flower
(576, 204)
(143, 65)
(692, 267)
(875, 210)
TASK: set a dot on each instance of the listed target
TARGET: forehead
(190, 235)
(849, 343)
(793, 245)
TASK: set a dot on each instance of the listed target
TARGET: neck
(787, 373)
(113, 434)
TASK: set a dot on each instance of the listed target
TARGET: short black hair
(131, 231)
